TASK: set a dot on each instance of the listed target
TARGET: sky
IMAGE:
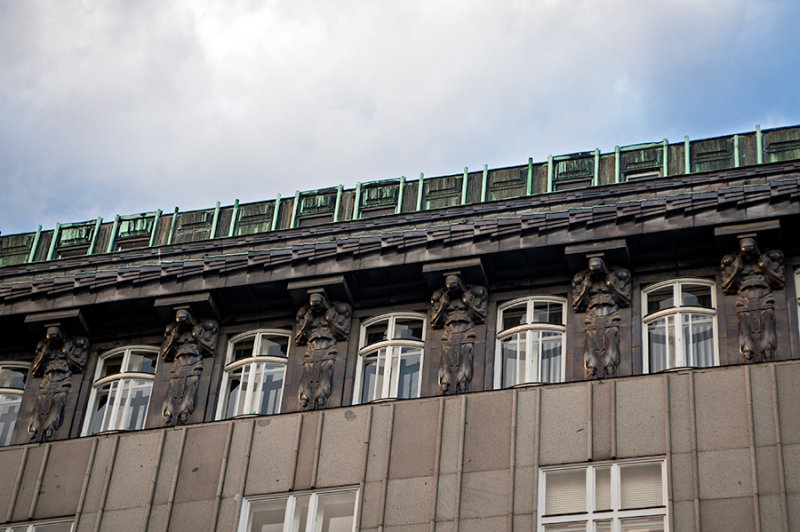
(125, 107)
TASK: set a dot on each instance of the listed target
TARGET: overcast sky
(125, 107)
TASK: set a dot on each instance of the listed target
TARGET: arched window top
(13, 375)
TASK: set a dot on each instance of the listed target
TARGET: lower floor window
(40, 526)
(319, 511)
(614, 497)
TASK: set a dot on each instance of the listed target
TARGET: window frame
(99, 381)
(34, 526)
(14, 392)
(253, 361)
(392, 346)
(250, 505)
(678, 310)
(530, 326)
(592, 516)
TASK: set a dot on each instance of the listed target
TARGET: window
(679, 325)
(12, 384)
(530, 341)
(320, 511)
(121, 391)
(604, 497)
(51, 525)
(254, 374)
(390, 357)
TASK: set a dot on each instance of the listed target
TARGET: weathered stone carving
(457, 308)
(57, 358)
(752, 275)
(601, 292)
(186, 342)
(320, 324)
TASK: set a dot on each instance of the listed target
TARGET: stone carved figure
(752, 275)
(601, 292)
(320, 325)
(457, 308)
(186, 342)
(57, 358)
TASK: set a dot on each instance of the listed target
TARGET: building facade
(595, 342)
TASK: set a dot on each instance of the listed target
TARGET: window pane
(243, 349)
(11, 377)
(408, 372)
(640, 486)
(335, 512)
(274, 346)
(514, 316)
(112, 365)
(513, 349)
(660, 299)
(300, 513)
(234, 387)
(271, 389)
(547, 312)
(268, 516)
(408, 329)
(565, 527)
(698, 339)
(602, 488)
(368, 379)
(133, 417)
(661, 344)
(565, 492)
(9, 408)
(695, 295)
(102, 409)
(643, 524)
(142, 362)
(602, 526)
(551, 343)
(376, 332)
(53, 527)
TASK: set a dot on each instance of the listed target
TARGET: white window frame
(121, 377)
(535, 377)
(592, 516)
(248, 504)
(14, 392)
(393, 347)
(678, 310)
(253, 361)
(35, 526)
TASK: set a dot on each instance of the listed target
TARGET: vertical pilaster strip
(154, 230)
(297, 446)
(214, 222)
(687, 156)
(35, 244)
(175, 474)
(172, 226)
(276, 212)
(246, 468)
(356, 203)
(616, 165)
(17, 482)
(779, 448)
(550, 173)
(529, 180)
(420, 188)
(113, 238)
(385, 481)
(736, 163)
(512, 466)
(85, 485)
(667, 447)
(437, 466)
(364, 465)
(52, 250)
(112, 462)
(338, 204)
(295, 208)
(317, 448)
(234, 216)
(464, 181)
(589, 416)
(92, 244)
(665, 148)
(613, 419)
(400, 193)
(460, 465)
(537, 423)
(484, 182)
(154, 480)
(748, 387)
(221, 481)
(695, 466)
(39, 478)
(759, 145)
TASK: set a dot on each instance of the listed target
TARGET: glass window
(530, 341)
(12, 384)
(614, 497)
(390, 357)
(123, 383)
(320, 511)
(51, 525)
(680, 325)
(254, 374)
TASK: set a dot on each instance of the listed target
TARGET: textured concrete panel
(791, 465)
(126, 519)
(682, 477)
(767, 469)
(525, 480)
(237, 457)
(640, 416)
(100, 469)
(63, 479)
(86, 523)
(682, 518)
(169, 460)
(408, 528)
(227, 518)
(793, 507)
(272, 454)
(28, 483)
(376, 461)
(788, 380)
(342, 449)
(306, 454)
(602, 426)
(495, 524)
(523, 522)
(487, 440)
(191, 516)
(526, 427)
(136, 461)
(763, 411)
(563, 430)
(720, 404)
(770, 512)
(725, 474)
(10, 459)
(408, 501)
(679, 413)
(198, 476)
(485, 494)
(445, 526)
(371, 510)
(451, 435)
(413, 450)
(727, 515)
(446, 498)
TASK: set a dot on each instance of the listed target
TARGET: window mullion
(288, 516)
(311, 517)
